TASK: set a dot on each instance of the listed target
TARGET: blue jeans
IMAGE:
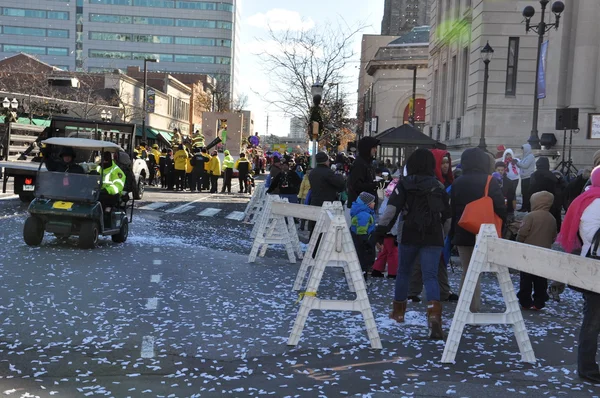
(588, 335)
(430, 259)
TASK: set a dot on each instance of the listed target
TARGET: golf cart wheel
(139, 191)
(88, 236)
(33, 231)
(26, 197)
(123, 232)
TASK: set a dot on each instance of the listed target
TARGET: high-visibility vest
(113, 179)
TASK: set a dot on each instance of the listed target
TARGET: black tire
(88, 235)
(26, 197)
(139, 190)
(121, 237)
(33, 231)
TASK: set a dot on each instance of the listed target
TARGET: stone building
(401, 16)
(461, 28)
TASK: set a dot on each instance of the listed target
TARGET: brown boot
(434, 320)
(398, 310)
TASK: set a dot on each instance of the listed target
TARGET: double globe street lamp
(541, 29)
(145, 110)
(487, 53)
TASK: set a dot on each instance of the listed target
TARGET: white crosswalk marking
(180, 209)
(209, 212)
(154, 206)
(236, 215)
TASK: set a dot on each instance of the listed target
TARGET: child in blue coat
(362, 215)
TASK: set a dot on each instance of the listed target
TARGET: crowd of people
(412, 229)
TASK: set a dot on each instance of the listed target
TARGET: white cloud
(280, 19)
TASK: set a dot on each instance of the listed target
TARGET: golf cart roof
(84, 143)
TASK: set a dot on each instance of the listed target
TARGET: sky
(257, 15)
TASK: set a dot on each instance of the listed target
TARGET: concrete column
(585, 61)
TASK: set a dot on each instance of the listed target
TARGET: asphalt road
(177, 311)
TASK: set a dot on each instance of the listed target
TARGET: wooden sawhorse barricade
(495, 255)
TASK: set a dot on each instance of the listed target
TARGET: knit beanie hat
(366, 198)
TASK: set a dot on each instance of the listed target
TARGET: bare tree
(239, 103)
(298, 59)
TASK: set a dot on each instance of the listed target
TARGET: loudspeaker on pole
(567, 119)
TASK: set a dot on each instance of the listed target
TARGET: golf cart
(68, 203)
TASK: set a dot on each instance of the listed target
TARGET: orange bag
(480, 211)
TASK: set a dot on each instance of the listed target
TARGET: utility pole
(267, 133)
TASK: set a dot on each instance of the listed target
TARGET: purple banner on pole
(542, 71)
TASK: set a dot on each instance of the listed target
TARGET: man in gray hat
(324, 183)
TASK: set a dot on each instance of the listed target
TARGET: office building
(102, 35)
(401, 16)
(297, 128)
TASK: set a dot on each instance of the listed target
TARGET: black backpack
(423, 209)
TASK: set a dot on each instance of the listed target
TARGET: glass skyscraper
(103, 35)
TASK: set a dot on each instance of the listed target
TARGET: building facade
(389, 100)
(461, 28)
(297, 128)
(103, 35)
(401, 16)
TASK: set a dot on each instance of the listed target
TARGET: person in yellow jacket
(228, 164)
(188, 172)
(113, 182)
(156, 153)
(181, 158)
(206, 176)
(214, 169)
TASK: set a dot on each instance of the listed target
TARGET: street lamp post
(315, 117)
(541, 29)
(411, 118)
(487, 53)
(106, 116)
(145, 101)
(10, 115)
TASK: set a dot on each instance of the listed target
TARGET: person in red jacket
(443, 166)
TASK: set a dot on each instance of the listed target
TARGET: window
(109, 54)
(434, 91)
(224, 43)
(58, 15)
(223, 60)
(511, 67)
(465, 80)
(196, 5)
(15, 30)
(443, 99)
(62, 33)
(153, 39)
(153, 21)
(112, 2)
(160, 57)
(224, 25)
(109, 18)
(63, 67)
(155, 3)
(24, 49)
(110, 36)
(196, 23)
(194, 41)
(58, 51)
(225, 7)
(453, 70)
(200, 59)
(20, 12)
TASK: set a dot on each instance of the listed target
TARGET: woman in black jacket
(423, 202)
(469, 187)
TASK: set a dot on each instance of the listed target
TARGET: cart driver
(113, 181)
(66, 164)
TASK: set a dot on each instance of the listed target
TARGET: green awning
(34, 121)
(165, 136)
(149, 132)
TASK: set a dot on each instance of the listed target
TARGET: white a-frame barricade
(274, 229)
(256, 204)
(335, 246)
(321, 227)
(495, 255)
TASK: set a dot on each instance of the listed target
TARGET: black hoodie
(362, 173)
(543, 179)
(469, 187)
(403, 199)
